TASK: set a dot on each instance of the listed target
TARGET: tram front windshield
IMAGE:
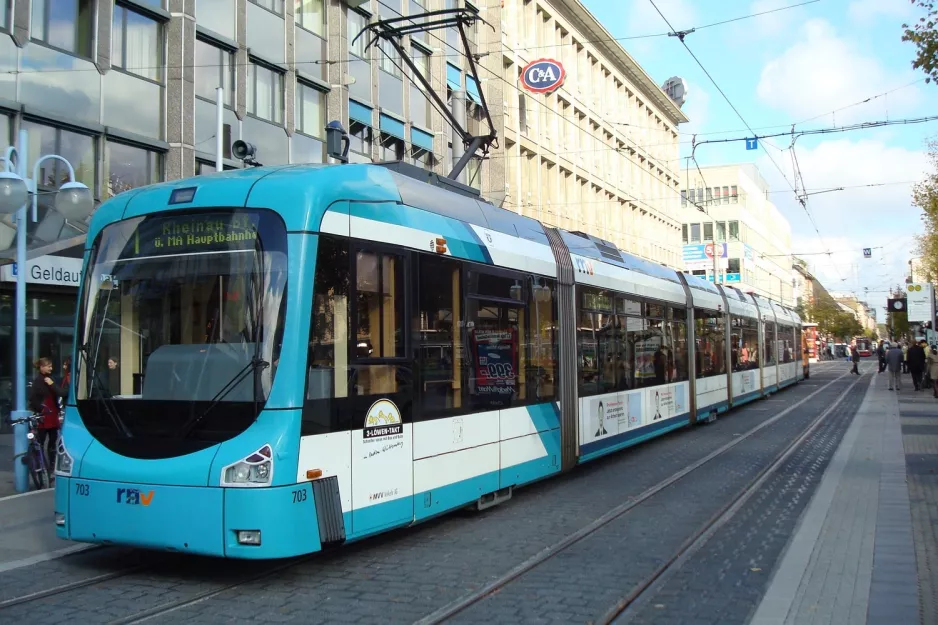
(181, 327)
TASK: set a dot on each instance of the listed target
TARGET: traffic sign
(752, 144)
(867, 252)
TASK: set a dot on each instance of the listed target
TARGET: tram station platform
(866, 548)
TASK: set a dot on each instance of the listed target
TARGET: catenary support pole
(219, 128)
(459, 112)
(20, 442)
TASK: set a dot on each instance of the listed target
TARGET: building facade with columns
(728, 206)
(599, 154)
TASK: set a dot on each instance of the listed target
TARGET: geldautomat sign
(543, 75)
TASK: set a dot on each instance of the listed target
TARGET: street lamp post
(73, 201)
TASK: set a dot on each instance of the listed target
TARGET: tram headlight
(254, 470)
(63, 461)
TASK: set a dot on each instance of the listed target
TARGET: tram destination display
(181, 234)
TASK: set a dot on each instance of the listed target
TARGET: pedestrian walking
(933, 369)
(894, 365)
(881, 354)
(855, 358)
(916, 362)
(905, 358)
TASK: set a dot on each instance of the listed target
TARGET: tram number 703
(299, 496)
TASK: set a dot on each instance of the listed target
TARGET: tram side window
(768, 339)
(440, 321)
(379, 323)
(678, 342)
(745, 343)
(542, 347)
(650, 344)
(328, 365)
(495, 308)
(786, 341)
(710, 331)
(596, 342)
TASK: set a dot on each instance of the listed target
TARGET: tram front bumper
(253, 523)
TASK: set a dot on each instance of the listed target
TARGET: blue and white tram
(277, 359)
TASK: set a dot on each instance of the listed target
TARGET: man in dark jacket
(916, 362)
(855, 357)
(881, 354)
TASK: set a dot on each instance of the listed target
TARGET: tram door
(381, 388)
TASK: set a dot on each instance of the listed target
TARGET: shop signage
(543, 76)
(58, 270)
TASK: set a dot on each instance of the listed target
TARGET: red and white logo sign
(543, 75)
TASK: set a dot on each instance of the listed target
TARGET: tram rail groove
(693, 543)
(80, 583)
(454, 608)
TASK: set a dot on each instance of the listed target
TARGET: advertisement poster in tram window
(749, 382)
(662, 402)
(645, 357)
(495, 353)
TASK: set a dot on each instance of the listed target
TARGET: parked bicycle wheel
(37, 471)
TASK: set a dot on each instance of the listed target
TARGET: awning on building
(359, 113)
(421, 139)
(392, 126)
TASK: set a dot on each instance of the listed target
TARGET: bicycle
(34, 457)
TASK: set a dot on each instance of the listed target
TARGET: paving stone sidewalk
(853, 558)
(919, 419)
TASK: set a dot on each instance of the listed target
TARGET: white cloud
(869, 10)
(854, 218)
(822, 72)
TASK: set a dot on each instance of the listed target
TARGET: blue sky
(788, 67)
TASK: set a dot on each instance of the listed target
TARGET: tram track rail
(687, 548)
(454, 608)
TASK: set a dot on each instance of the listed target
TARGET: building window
(726, 195)
(205, 167)
(734, 231)
(64, 24)
(733, 265)
(683, 198)
(709, 196)
(708, 232)
(734, 194)
(684, 233)
(275, 6)
(309, 108)
(392, 148)
(356, 22)
(214, 67)
(265, 93)
(78, 149)
(695, 233)
(422, 158)
(721, 231)
(130, 167)
(309, 15)
(389, 61)
(137, 44)
(360, 138)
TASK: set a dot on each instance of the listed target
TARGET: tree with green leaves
(925, 38)
(925, 197)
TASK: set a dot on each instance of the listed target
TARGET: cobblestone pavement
(402, 576)
(919, 418)
(724, 582)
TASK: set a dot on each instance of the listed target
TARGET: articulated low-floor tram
(278, 359)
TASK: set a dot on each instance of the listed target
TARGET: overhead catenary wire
(742, 119)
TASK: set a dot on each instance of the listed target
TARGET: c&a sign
(543, 75)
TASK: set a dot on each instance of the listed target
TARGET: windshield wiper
(252, 367)
(103, 397)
